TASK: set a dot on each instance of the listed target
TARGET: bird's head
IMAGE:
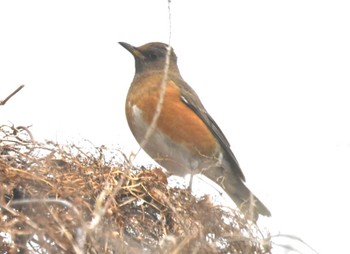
(152, 56)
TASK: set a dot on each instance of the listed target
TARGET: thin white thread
(156, 115)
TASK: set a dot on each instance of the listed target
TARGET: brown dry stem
(68, 199)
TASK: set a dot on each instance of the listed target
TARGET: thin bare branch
(159, 107)
(3, 102)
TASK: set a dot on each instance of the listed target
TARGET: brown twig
(163, 86)
(12, 94)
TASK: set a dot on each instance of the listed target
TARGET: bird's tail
(246, 201)
(234, 186)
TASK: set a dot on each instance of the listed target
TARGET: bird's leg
(190, 184)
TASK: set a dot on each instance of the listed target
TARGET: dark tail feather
(246, 201)
(234, 186)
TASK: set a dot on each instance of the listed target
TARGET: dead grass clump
(68, 199)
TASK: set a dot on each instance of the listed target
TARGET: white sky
(273, 74)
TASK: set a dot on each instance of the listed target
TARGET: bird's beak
(133, 50)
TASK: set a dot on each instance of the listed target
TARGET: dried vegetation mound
(82, 199)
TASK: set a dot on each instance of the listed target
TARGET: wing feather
(191, 99)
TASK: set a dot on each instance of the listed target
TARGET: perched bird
(185, 138)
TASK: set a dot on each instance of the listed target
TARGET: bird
(172, 126)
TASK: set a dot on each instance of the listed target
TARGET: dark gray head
(152, 56)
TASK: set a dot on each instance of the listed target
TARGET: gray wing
(191, 99)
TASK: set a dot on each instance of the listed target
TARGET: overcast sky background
(275, 75)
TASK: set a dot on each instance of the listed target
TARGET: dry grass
(68, 199)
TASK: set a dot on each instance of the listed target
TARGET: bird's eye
(152, 56)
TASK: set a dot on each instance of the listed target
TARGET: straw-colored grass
(69, 199)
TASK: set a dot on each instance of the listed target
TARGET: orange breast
(176, 120)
